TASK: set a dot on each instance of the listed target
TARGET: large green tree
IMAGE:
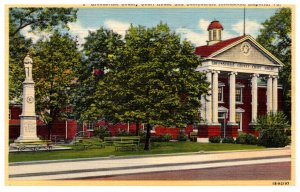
(153, 80)
(55, 63)
(275, 36)
(40, 18)
(37, 19)
(98, 49)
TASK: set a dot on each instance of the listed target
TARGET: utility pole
(244, 32)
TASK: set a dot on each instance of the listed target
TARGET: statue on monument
(28, 67)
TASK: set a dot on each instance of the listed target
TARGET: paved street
(118, 166)
(268, 171)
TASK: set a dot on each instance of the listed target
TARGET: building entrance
(222, 121)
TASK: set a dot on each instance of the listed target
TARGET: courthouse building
(244, 83)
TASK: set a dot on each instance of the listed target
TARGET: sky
(190, 23)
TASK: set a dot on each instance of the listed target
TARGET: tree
(153, 80)
(275, 36)
(17, 52)
(55, 63)
(38, 19)
(272, 128)
(98, 49)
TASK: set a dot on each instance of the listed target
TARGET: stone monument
(28, 131)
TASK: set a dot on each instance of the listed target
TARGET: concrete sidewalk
(101, 167)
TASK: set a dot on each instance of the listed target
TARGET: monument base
(27, 140)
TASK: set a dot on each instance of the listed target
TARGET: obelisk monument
(28, 131)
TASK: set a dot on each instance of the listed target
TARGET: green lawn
(156, 148)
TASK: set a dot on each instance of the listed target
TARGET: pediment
(246, 51)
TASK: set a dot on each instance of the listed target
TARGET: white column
(275, 94)
(232, 98)
(202, 109)
(208, 99)
(215, 97)
(254, 97)
(269, 94)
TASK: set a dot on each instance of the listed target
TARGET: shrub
(241, 139)
(228, 140)
(101, 132)
(161, 138)
(273, 140)
(167, 137)
(246, 139)
(123, 132)
(251, 139)
(182, 136)
(156, 139)
(272, 128)
(215, 139)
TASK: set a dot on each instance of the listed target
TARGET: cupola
(214, 32)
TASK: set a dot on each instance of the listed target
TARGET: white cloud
(203, 24)
(76, 29)
(200, 38)
(81, 32)
(227, 35)
(117, 26)
(252, 27)
(196, 38)
(34, 36)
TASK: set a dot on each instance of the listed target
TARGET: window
(238, 117)
(239, 95)
(220, 94)
(214, 35)
(9, 114)
(90, 125)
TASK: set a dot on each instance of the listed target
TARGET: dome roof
(214, 25)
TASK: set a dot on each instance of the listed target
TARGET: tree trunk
(137, 126)
(148, 135)
(49, 130)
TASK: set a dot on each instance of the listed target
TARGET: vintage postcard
(150, 94)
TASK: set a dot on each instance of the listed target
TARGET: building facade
(243, 78)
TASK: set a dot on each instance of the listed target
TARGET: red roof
(207, 50)
(215, 25)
